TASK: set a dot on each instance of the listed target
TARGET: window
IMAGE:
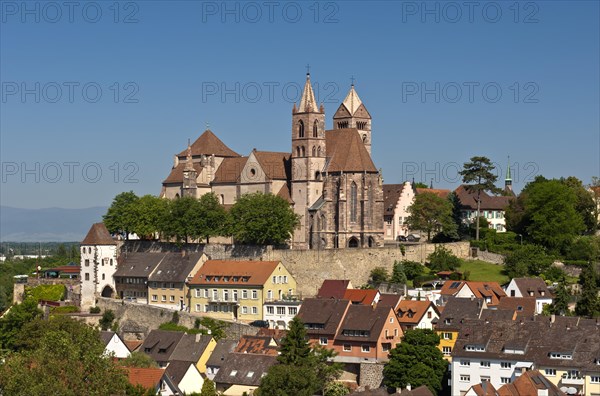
(280, 310)
(244, 294)
(300, 129)
(386, 346)
(87, 262)
(447, 350)
(163, 298)
(87, 276)
(447, 336)
(395, 332)
(429, 315)
(365, 348)
(285, 279)
(215, 294)
(465, 363)
(244, 310)
(315, 129)
(485, 364)
(250, 374)
(269, 294)
(323, 341)
(391, 320)
(206, 308)
(270, 310)
(353, 202)
(154, 297)
(505, 365)
(235, 295)
(254, 294)
(505, 380)
(347, 348)
(254, 310)
(197, 292)
(233, 373)
(226, 295)
(274, 280)
(198, 307)
(550, 372)
(465, 378)
(292, 311)
(475, 348)
(172, 298)
(595, 379)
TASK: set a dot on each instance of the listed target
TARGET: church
(328, 178)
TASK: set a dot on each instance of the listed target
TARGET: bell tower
(352, 113)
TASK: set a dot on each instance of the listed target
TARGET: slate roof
(391, 195)
(528, 384)
(390, 300)
(230, 170)
(276, 165)
(468, 200)
(244, 369)
(138, 265)
(223, 348)
(535, 285)
(333, 288)
(256, 272)
(190, 347)
(326, 312)
(106, 336)
(177, 369)
(364, 318)
(175, 267)
(261, 345)
(208, 144)
(98, 235)
(161, 344)
(457, 309)
(176, 174)
(346, 152)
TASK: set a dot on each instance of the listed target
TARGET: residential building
(279, 314)
(114, 345)
(133, 270)
(223, 348)
(531, 287)
(194, 348)
(522, 306)
(185, 376)
(160, 345)
(414, 314)
(258, 345)
(397, 198)
(564, 349)
(98, 265)
(491, 292)
(167, 284)
(362, 296)
(334, 288)
(492, 208)
(238, 290)
(153, 379)
(241, 373)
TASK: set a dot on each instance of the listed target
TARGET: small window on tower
(315, 129)
(364, 138)
(300, 129)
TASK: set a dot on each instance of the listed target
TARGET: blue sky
(92, 105)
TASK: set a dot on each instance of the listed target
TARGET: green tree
(139, 360)
(584, 203)
(61, 251)
(560, 305)
(107, 319)
(527, 260)
(479, 172)
(287, 380)
(378, 275)
(336, 389)
(294, 348)
(120, 217)
(416, 361)
(442, 259)
(398, 274)
(12, 323)
(181, 221)
(431, 213)
(208, 388)
(588, 304)
(210, 218)
(263, 219)
(413, 269)
(149, 214)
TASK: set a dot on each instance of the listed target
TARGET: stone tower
(189, 176)
(308, 157)
(98, 265)
(352, 113)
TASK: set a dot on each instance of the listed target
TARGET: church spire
(352, 101)
(508, 180)
(188, 157)
(308, 103)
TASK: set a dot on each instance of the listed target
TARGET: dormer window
(560, 355)
(447, 321)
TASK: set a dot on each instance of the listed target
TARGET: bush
(107, 319)
(47, 292)
(378, 275)
(94, 310)
(412, 269)
(419, 280)
(443, 260)
(170, 326)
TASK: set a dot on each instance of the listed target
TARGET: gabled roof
(138, 265)
(468, 199)
(133, 345)
(208, 144)
(537, 286)
(451, 287)
(326, 313)
(148, 378)
(176, 175)
(276, 165)
(491, 290)
(106, 336)
(244, 369)
(416, 308)
(160, 344)
(230, 170)
(389, 300)
(528, 384)
(261, 345)
(333, 288)
(361, 296)
(231, 272)
(391, 195)
(485, 389)
(364, 318)
(98, 235)
(523, 306)
(457, 309)
(346, 152)
(177, 369)
(437, 191)
(284, 193)
(191, 347)
(223, 348)
(175, 267)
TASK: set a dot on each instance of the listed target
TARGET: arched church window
(364, 138)
(323, 223)
(298, 151)
(222, 199)
(353, 202)
(314, 151)
(319, 151)
(302, 151)
(300, 129)
(315, 129)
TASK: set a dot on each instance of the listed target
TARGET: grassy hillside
(482, 271)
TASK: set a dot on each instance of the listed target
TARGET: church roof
(308, 102)
(346, 152)
(230, 170)
(276, 165)
(98, 235)
(208, 144)
(176, 175)
(284, 193)
(352, 106)
(352, 101)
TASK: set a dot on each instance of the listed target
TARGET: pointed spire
(307, 102)
(352, 101)
(431, 184)
(188, 157)
(508, 177)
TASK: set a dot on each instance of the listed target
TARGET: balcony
(222, 300)
(569, 379)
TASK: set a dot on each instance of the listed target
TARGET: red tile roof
(360, 296)
(176, 175)
(523, 306)
(255, 273)
(437, 191)
(333, 288)
(391, 195)
(98, 235)
(410, 312)
(208, 144)
(528, 384)
(148, 378)
(276, 165)
(487, 289)
(284, 193)
(262, 345)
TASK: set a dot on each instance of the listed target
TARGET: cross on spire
(207, 125)
(307, 68)
(352, 79)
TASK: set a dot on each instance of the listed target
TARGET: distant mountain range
(47, 225)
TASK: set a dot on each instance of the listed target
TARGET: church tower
(189, 175)
(308, 157)
(352, 113)
(508, 181)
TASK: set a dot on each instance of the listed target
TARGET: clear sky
(97, 97)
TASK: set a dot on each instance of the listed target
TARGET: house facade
(492, 207)
(531, 287)
(417, 314)
(133, 270)
(98, 265)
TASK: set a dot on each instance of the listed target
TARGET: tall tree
(560, 305)
(398, 274)
(149, 212)
(211, 217)
(262, 219)
(208, 388)
(181, 221)
(527, 260)
(431, 213)
(584, 203)
(479, 176)
(294, 348)
(442, 259)
(12, 323)
(588, 304)
(120, 217)
(416, 361)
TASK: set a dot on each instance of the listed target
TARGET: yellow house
(237, 290)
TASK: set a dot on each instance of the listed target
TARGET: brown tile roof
(138, 265)
(323, 316)
(148, 378)
(485, 389)
(488, 202)
(391, 195)
(208, 144)
(537, 286)
(389, 300)
(333, 288)
(133, 345)
(244, 369)
(276, 165)
(528, 384)
(177, 369)
(523, 306)
(98, 235)
(276, 334)
(360, 296)
(420, 391)
(284, 193)
(457, 309)
(175, 267)
(346, 152)
(437, 191)
(261, 345)
(410, 312)
(230, 170)
(250, 273)
(176, 175)
(451, 287)
(364, 318)
(487, 290)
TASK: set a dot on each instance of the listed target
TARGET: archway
(371, 242)
(353, 242)
(108, 292)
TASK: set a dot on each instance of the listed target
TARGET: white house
(113, 344)
(531, 287)
(185, 376)
(279, 314)
(397, 198)
(98, 265)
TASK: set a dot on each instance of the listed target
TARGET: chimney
(198, 337)
(183, 253)
(552, 318)
(409, 387)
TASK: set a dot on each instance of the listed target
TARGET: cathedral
(328, 178)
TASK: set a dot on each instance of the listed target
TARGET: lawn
(483, 271)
